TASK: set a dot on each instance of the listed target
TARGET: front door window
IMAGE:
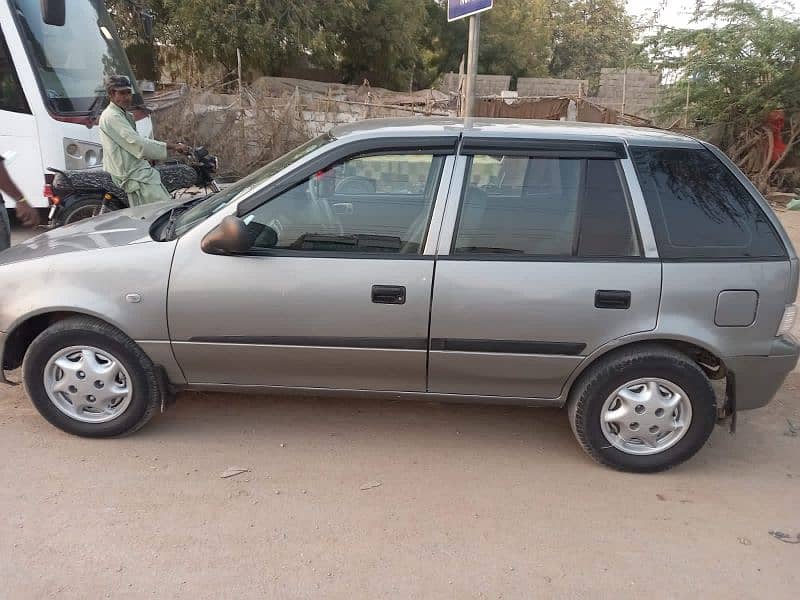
(368, 204)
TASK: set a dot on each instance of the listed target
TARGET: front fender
(125, 286)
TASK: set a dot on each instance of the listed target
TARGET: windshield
(200, 212)
(71, 61)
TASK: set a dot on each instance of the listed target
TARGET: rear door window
(699, 209)
(545, 207)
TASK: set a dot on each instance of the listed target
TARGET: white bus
(51, 78)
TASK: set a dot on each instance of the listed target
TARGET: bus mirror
(54, 12)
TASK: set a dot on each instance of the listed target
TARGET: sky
(678, 13)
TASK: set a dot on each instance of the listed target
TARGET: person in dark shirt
(25, 212)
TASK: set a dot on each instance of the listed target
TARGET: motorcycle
(81, 194)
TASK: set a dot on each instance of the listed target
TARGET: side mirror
(54, 12)
(231, 236)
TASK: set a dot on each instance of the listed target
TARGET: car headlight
(81, 155)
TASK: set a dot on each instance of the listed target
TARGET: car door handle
(343, 208)
(613, 299)
(388, 294)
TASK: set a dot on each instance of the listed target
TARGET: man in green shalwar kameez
(125, 152)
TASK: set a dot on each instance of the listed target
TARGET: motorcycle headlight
(81, 155)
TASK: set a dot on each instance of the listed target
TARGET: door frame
(444, 147)
(544, 148)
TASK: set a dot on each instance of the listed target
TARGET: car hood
(118, 228)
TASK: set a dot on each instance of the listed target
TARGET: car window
(699, 209)
(606, 228)
(216, 202)
(366, 204)
(545, 207)
(12, 97)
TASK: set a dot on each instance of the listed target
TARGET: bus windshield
(71, 61)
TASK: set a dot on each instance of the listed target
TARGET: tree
(558, 38)
(129, 19)
(743, 65)
(516, 38)
(384, 43)
(738, 69)
(444, 44)
(589, 35)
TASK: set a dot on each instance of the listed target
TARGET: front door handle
(613, 299)
(343, 208)
(389, 294)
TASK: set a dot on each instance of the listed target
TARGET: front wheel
(643, 410)
(89, 379)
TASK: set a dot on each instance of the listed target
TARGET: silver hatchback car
(617, 272)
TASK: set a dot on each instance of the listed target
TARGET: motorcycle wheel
(84, 208)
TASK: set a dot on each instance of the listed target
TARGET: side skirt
(381, 395)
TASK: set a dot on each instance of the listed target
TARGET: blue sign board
(458, 9)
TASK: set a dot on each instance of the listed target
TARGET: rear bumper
(756, 379)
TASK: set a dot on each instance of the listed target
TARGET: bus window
(70, 62)
(11, 95)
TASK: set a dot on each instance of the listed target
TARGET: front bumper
(756, 379)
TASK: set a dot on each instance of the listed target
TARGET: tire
(674, 376)
(5, 227)
(85, 208)
(87, 337)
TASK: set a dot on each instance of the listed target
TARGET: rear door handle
(613, 299)
(388, 294)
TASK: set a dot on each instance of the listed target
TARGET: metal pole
(472, 64)
(688, 89)
(239, 74)
(624, 85)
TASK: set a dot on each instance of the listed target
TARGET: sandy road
(473, 502)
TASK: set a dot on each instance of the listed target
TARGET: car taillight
(787, 322)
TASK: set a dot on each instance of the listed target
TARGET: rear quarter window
(699, 209)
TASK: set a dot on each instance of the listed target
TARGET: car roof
(513, 128)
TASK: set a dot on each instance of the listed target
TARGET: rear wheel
(85, 208)
(643, 410)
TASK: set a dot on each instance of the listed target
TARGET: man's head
(119, 90)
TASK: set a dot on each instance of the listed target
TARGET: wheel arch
(26, 329)
(709, 359)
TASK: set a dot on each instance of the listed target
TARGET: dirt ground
(371, 499)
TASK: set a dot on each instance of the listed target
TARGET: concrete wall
(549, 86)
(642, 90)
(485, 85)
(641, 95)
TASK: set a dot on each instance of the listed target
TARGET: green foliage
(384, 43)
(391, 42)
(559, 38)
(516, 38)
(743, 65)
(269, 33)
(588, 36)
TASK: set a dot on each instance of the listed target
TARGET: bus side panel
(18, 134)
